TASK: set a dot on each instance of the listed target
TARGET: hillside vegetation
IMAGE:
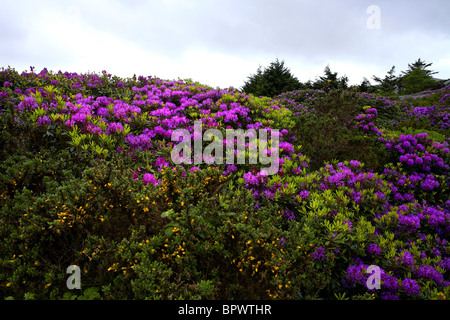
(87, 179)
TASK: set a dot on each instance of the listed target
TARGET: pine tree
(274, 80)
(415, 81)
(418, 78)
(389, 83)
(254, 82)
(365, 86)
(330, 80)
(419, 64)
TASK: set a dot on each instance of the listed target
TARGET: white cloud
(220, 43)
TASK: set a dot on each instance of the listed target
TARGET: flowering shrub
(328, 127)
(87, 179)
(421, 170)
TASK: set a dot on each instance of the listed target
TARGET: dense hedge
(86, 179)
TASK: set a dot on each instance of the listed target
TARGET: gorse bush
(87, 179)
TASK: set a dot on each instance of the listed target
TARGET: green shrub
(69, 197)
(327, 134)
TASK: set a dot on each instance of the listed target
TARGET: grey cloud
(313, 32)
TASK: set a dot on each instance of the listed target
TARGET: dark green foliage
(328, 135)
(417, 80)
(254, 83)
(330, 81)
(419, 64)
(275, 79)
(389, 83)
(366, 86)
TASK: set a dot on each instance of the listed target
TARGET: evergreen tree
(365, 86)
(415, 81)
(389, 83)
(330, 80)
(418, 78)
(254, 82)
(309, 85)
(419, 64)
(274, 80)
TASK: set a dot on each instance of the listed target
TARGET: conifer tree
(274, 80)
(418, 78)
(389, 83)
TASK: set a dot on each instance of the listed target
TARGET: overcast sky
(221, 42)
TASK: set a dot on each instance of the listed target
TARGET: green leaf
(167, 214)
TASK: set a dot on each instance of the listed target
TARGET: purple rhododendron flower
(349, 224)
(409, 223)
(44, 120)
(230, 168)
(407, 258)
(28, 103)
(355, 164)
(288, 215)
(389, 296)
(161, 162)
(304, 194)
(430, 273)
(354, 274)
(252, 179)
(389, 282)
(319, 254)
(445, 263)
(114, 127)
(410, 162)
(150, 178)
(373, 249)
(410, 286)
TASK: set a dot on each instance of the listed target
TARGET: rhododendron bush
(88, 179)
